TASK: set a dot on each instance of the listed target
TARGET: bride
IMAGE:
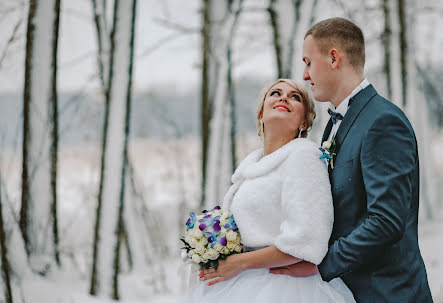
(282, 203)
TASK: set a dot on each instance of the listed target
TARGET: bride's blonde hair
(306, 100)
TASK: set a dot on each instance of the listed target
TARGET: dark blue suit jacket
(375, 187)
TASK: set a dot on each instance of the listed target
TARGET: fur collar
(255, 164)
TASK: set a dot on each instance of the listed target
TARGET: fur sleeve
(307, 206)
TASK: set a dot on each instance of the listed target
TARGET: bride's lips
(282, 106)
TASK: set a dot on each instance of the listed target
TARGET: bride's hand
(226, 270)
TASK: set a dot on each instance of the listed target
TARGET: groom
(374, 179)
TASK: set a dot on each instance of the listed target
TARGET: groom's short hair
(342, 34)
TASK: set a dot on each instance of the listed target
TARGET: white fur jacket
(284, 199)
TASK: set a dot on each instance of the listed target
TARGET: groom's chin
(320, 99)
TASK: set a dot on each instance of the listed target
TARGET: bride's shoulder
(304, 150)
(305, 145)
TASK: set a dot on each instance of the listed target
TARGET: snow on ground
(168, 172)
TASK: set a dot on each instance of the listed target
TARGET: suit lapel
(358, 103)
(327, 131)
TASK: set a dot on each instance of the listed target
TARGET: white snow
(154, 163)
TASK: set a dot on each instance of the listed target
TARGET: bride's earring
(299, 133)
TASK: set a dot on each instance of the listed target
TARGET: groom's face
(318, 70)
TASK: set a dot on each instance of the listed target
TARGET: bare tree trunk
(110, 214)
(417, 107)
(232, 108)
(99, 9)
(54, 135)
(206, 105)
(224, 16)
(403, 49)
(4, 263)
(103, 41)
(284, 15)
(39, 204)
(289, 25)
(386, 40)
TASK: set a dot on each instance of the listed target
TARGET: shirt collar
(343, 106)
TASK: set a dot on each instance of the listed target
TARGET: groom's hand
(300, 269)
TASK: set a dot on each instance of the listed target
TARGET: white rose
(196, 258)
(209, 229)
(231, 245)
(197, 233)
(200, 248)
(231, 235)
(188, 238)
(193, 242)
(204, 241)
(237, 240)
(212, 254)
(225, 216)
(222, 232)
(217, 212)
(218, 247)
(226, 250)
(191, 253)
(205, 257)
(326, 145)
(238, 248)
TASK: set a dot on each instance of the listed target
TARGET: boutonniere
(328, 148)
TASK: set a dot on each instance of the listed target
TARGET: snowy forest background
(115, 123)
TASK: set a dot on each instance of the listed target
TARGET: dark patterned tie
(334, 115)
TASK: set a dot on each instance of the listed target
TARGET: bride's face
(284, 106)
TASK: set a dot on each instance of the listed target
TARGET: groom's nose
(306, 75)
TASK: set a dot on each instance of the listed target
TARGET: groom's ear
(334, 58)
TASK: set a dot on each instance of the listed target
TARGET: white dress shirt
(342, 108)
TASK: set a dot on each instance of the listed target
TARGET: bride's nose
(284, 99)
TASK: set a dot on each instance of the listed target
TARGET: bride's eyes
(275, 93)
(296, 97)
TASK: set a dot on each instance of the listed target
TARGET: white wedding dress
(282, 199)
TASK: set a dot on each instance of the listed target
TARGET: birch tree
(106, 261)
(206, 105)
(386, 41)
(5, 291)
(289, 20)
(415, 103)
(220, 158)
(38, 219)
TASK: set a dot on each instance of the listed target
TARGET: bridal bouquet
(210, 237)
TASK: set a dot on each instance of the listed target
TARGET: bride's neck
(272, 142)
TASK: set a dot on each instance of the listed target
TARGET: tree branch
(176, 26)
(13, 37)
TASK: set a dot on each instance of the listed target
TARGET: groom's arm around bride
(375, 179)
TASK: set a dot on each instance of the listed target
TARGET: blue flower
(208, 221)
(231, 224)
(191, 221)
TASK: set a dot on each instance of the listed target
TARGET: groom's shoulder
(381, 106)
(381, 112)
